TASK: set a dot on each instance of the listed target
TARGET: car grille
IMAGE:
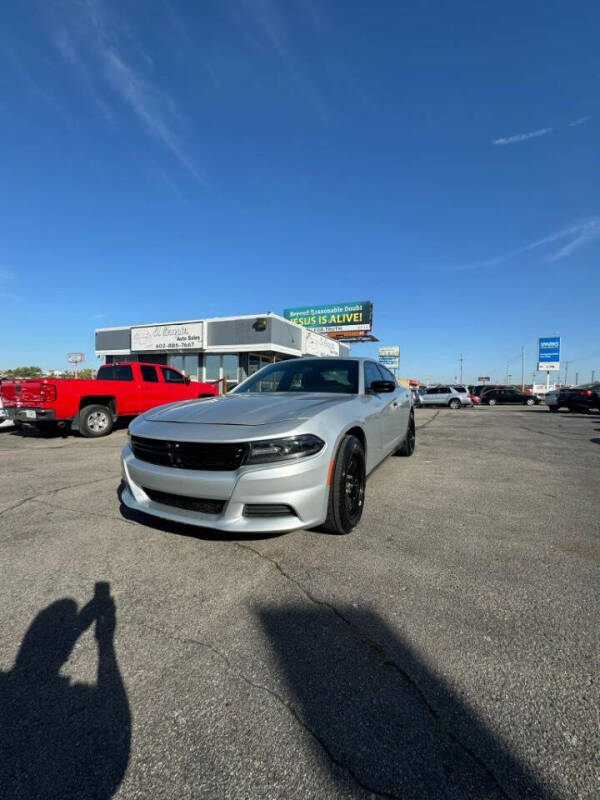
(190, 455)
(189, 503)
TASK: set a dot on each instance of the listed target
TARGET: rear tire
(95, 421)
(407, 448)
(347, 489)
(530, 401)
(554, 409)
(491, 402)
(454, 403)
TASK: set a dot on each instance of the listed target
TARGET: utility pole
(566, 372)
(507, 368)
(461, 368)
(576, 378)
(593, 373)
(522, 369)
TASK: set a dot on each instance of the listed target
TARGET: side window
(172, 376)
(371, 373)
(115, 372)
(149, 374)
(433, 390)
(444, 390)
(386, 375)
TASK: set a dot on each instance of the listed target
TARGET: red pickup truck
(93, 406)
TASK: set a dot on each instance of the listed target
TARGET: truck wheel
(95, 421)
(347, 490)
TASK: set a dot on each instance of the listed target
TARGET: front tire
(407, 448)
(530, 401)
(95, 421)
(491, 402)
(347, 489)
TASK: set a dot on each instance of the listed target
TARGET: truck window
(172, 376)
(115, 372)
(149, 374)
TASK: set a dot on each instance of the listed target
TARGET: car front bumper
(301, 485)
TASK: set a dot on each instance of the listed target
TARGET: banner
(334, 318)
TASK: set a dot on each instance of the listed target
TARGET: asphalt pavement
(446, 648)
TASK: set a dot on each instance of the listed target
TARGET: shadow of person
(381, 716)
(60, 739)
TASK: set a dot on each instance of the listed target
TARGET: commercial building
(217, 348)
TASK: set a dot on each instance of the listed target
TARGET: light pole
(593, 373)
(523, 369)
(576, 378)
(566, 372)
(461, 368)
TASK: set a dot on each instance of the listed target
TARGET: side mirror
(379, 387)
(188, 380)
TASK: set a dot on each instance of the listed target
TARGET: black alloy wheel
(347, 489)
(407, 448)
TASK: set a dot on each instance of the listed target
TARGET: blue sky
(173, 159)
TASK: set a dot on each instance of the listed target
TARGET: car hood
(247, 409)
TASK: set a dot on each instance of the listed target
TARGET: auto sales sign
(334, 318)
(549, 354)
(183, 336)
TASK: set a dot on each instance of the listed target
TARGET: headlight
(293, 447)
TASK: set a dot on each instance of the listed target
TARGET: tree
(24, 372)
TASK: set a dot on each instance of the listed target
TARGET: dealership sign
(549, 353)
(317, 345)
(390, 356)
(185, 336)
(335, 319)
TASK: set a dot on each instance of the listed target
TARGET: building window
(230, 367)
(187, 364)
(212, 366)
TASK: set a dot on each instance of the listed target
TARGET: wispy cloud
(98, 316)
(106, 59)
(523, 137)
(580, 121)
(572, 238)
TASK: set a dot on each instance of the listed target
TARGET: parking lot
(448, 647)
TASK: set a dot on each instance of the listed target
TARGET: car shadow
(61, 739)
(180, 529)
(379, 716)
(595, 440)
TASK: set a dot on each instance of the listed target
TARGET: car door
(429, 397)
(173, 387)
(396, 418)
(444, 395)
(151, 388)
(373, 416)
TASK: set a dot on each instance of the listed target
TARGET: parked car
(508, 396)
(451, 396)
(93, 406)
(551, 400)
(416, 398)
(290, 447)
(579, 398)
(5, 422)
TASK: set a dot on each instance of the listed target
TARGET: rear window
(460, 389)
(115, 372)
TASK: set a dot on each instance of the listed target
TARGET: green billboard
(334, 318)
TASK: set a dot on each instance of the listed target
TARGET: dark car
(508, 395)
(579, 398)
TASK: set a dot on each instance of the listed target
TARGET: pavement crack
(379, 652)
(37, 497)
(429, 421)
(294, 713)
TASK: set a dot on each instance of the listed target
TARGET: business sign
(549, 353)
(484, 379)
(390, 357)
(335, 319)
(75, 358)
(185, 336)
(317, 345)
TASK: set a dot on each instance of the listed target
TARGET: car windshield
(303, 375)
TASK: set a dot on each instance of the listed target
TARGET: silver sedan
(290, 447)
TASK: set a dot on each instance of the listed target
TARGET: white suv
(451, 396)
